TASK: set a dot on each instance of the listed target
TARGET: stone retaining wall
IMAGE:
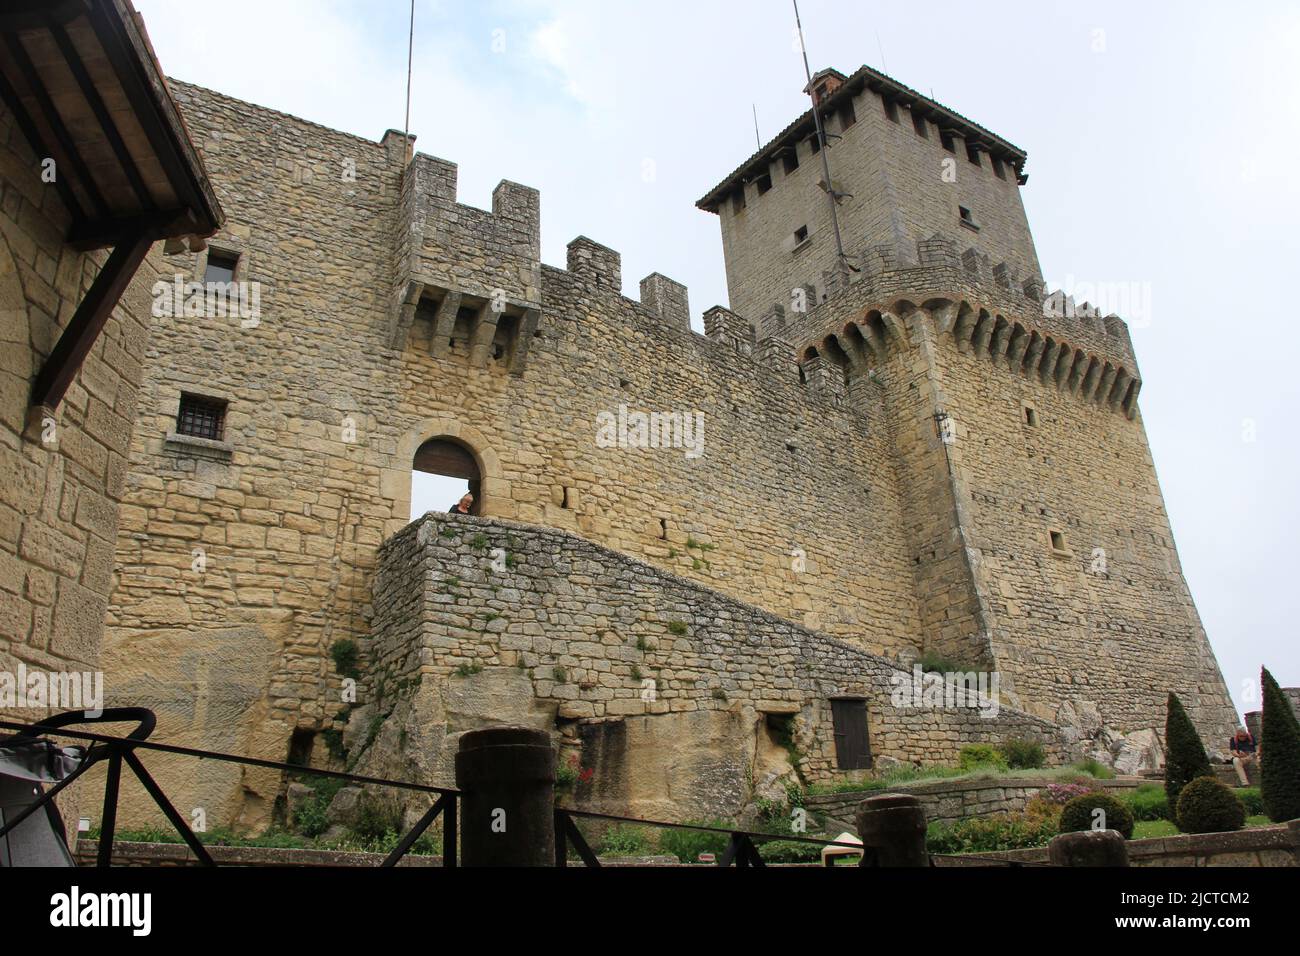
(1263, 846)
(949, 800)
(177, 854)
(672, 700)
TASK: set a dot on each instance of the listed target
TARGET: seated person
(1244, 751)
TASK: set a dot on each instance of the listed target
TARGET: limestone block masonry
(923, 462)
(665, 692)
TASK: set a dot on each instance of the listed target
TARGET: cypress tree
(1279, 754)
(1185, 757)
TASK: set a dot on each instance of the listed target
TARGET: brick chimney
(824, 83)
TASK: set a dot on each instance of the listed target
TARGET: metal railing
(741, 850)
(118, 751)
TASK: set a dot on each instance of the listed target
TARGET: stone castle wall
(60, 481)
(984, 490)
(662, 688)
(287, 514)
(823, 493)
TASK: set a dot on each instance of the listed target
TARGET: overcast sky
(1163, 143)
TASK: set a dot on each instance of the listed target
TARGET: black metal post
(108, 822)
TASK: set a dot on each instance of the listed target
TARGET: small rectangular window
(764, 183)
(738, 199)
(966, 216)
(1031, 417)
(973, 152)
(852, 745)
(1058, 541)
(201, 417)
(848, 115)
(814, 143)
(891, 109)
(919, 124)
(999, 168)
(790, 160)
(948, 142)
(221, 266)
(801, 235)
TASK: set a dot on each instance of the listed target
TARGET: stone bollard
(507, 779)
(1088, 848)
(892, 828)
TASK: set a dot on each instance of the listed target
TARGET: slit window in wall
(999, 167)
(973, 152)
(919, 124)
(738, 199)
(1031, 416)
(221, 266)
(891, 109)
(948, 142)
(201, 417)
(790, 160)
(852, 746)
(764, 183)
(848, 115)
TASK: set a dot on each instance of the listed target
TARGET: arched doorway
(442, 470)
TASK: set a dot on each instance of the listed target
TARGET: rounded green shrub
(1208, 806)
(1023, 754)
(1079, 814)
(973, 756)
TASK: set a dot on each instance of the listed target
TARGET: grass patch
(687, 845)
(1150, 829)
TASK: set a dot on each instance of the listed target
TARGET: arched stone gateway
(444, 446)
(448, 457)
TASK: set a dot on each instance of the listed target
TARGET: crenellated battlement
(475, 274)
(1003, 317)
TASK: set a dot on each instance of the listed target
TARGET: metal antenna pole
(410, 63)
(758, 139)
(821, 139)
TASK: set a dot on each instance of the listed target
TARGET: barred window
(201, 417)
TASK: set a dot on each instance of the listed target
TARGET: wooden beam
(96, 102)
(54, 120)
(97, 234)
(79, 337)
(128, 53)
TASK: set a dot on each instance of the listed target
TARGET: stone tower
(1039, 543)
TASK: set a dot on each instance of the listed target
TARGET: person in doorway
(1244, 752)
(464, 506)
